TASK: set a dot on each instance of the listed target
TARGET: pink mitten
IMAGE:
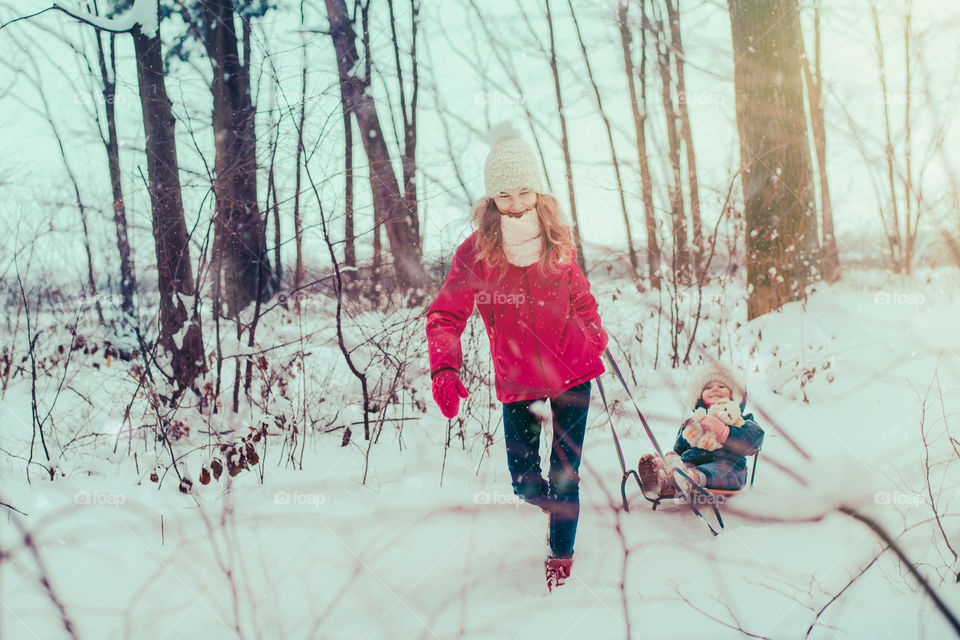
(713, 424)
(447, 391)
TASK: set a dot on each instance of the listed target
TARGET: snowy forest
(225, 222)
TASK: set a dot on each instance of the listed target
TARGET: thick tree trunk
(240, 229)
(128, 279)
(774, 151)
(400, 221)
(174, 267)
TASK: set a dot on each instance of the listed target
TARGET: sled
(721, 495)
(700, 495)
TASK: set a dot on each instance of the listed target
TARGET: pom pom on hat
(500, 132)
(710, 373)
(510, 163)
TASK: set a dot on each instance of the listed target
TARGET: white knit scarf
(521, 238)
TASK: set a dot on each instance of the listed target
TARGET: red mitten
(447, 391)
(715, 426)
(598, 338)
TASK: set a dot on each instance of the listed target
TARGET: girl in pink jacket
(519, 269)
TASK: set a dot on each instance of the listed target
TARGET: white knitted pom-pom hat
(510, 163)
(714, 372)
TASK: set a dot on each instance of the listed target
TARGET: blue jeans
(560, 495)
(723, 474)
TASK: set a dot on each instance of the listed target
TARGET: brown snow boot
(649, 476)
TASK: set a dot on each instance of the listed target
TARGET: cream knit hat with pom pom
(715, 372)
(510, 163)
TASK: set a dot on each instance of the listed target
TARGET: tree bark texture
(128, 278)
(400, 221)
(829, 258)
(174, 267)
(639, 109)
(239, 226)
(774, 151)
(686, 135)
(681, 256)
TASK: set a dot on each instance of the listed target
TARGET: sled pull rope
(616, 440)
(643, 421)
(710, 499)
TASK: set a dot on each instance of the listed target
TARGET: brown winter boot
(558, 570)
(649, 477)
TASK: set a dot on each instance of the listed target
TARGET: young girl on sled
(713, 441)
(519, 268)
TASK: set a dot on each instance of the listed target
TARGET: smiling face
(714, 392)
(515, 202)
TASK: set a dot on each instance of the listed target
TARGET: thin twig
(883, 535)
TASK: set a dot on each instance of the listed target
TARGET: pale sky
(40, 196)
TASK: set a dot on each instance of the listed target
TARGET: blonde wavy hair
(557, 244)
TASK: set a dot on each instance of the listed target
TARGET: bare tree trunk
(349, 244)
(272, 192)
(371, 173)
(774, 150)
(830, 260)
(639, 110)
(297, 223)
(952, 239)
(91, 289)
(349, 240)
(128, 279)
(401, 223)
(564, 141)
(634, 269)
(377, 221)
(445, 116)
(908, 174)
(174, 267)
(408, 158)
(681, 258)
(91, 279)
(894, 238)
(240, 243)
(686, 134)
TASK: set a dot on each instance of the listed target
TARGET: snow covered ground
(433, 544)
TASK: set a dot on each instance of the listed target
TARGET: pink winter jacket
(545, 333)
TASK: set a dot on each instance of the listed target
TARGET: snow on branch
(143, 13)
